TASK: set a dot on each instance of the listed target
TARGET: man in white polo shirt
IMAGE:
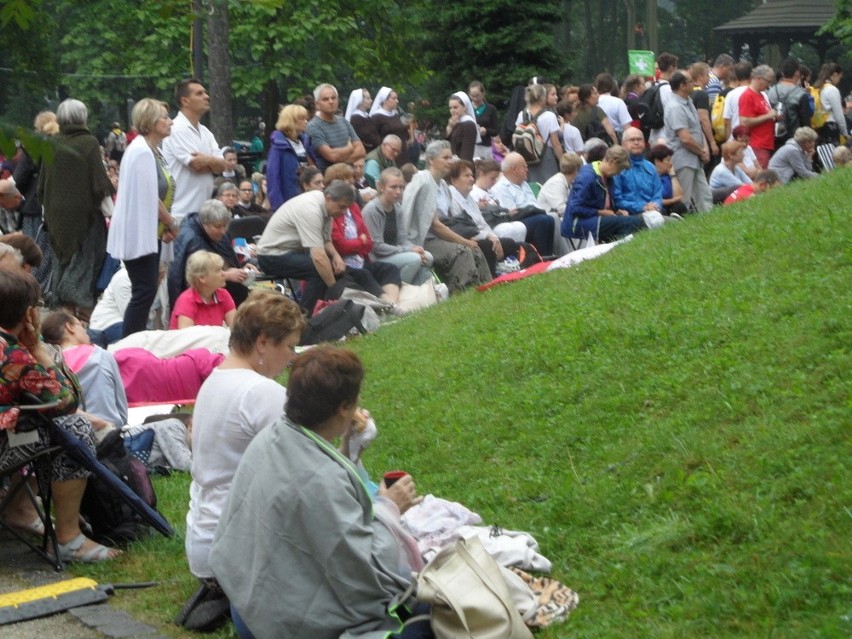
(191, 151)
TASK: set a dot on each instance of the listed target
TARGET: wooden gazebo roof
(782, 22)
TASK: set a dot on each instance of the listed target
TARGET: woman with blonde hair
(141, 219)
(548, 127)
(290, 151)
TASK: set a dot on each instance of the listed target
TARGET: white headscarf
(381, 96)
(470, 116)
(353, 106)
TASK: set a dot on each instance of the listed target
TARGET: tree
(219, 65)
(841, 26)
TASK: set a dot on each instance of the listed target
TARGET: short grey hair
(322, 87)
(339, 191)
(764, 71)
(434, 149)
(213, 212)
(592, 143)
(72, 111)
(390, 137)
(805, 134)
(224, 187)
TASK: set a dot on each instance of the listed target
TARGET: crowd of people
(150, 231)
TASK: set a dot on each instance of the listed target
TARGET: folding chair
(247, 227)
(38, 461)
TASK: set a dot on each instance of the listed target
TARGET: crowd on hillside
(161, 233)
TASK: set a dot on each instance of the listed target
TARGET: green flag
(641, 62)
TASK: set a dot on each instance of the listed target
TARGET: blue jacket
(634, 188)
(282, 168)
(587, 197)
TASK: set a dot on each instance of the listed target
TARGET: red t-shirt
(191, 305)
(752, 105)
(742, 193)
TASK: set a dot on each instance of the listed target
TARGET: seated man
(513, 193)
(638, 188)
(763, 181)
(207, 230)
(297, 240)
(381, 158)
(795, 158)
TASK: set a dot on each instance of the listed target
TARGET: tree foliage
(841, 26)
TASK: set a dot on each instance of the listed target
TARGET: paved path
(21, 569)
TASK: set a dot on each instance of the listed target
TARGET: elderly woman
(795, 158)
(298, 507)
(207, 230)
(141, 217)
(462, 129)
(590, 207)
(71, 188)
(358, 114)
(239, 400)
(290, 151)
(26, 366)
(728, 176)
(548, 127)
(458, 260)
(388, 121)
(465, 218)
(381, 215)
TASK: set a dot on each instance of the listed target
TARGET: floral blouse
(20, 372)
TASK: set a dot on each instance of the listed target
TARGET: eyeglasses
(247, 190)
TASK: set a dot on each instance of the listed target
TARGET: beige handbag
(469, 595)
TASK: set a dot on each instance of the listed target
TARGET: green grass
(671, 422)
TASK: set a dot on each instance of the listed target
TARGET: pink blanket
(147, 378)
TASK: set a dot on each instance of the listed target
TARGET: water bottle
(780, 124)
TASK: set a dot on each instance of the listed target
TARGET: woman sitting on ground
(206, 302)
(381, 215)
(590, 205)
(749, 164)
(311, 179)
(298, 507)
(237, 401)
(487, 174)
(728, 176)
(465, 218)
(352, 241)
(458, 260)
(26, 366)
(661, 156)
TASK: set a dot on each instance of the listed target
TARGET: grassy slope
(670, 421)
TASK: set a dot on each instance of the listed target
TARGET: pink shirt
(191, 305)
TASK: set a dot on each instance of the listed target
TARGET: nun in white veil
(358, 114)
(385, 113)
(462, 129)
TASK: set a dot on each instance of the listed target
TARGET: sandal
(72, 551)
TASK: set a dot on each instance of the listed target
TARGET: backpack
(650, 110)
(788, 105)
(333, 322)
(717, 118)
(527, 140)
(820, 116)
(112, 519)
(594, 129)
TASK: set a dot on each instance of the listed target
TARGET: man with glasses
(684, 134)
(381, 158)
(639, 188)
(758, 115)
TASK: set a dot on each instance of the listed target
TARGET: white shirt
(732, 107)
(192, 188)
(110, 308)
(232, 407)
(133, 229)
(665, 96)
(512, 196)
(616, 110)
(572, 139)
(553, 195)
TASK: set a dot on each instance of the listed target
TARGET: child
(205, 302)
